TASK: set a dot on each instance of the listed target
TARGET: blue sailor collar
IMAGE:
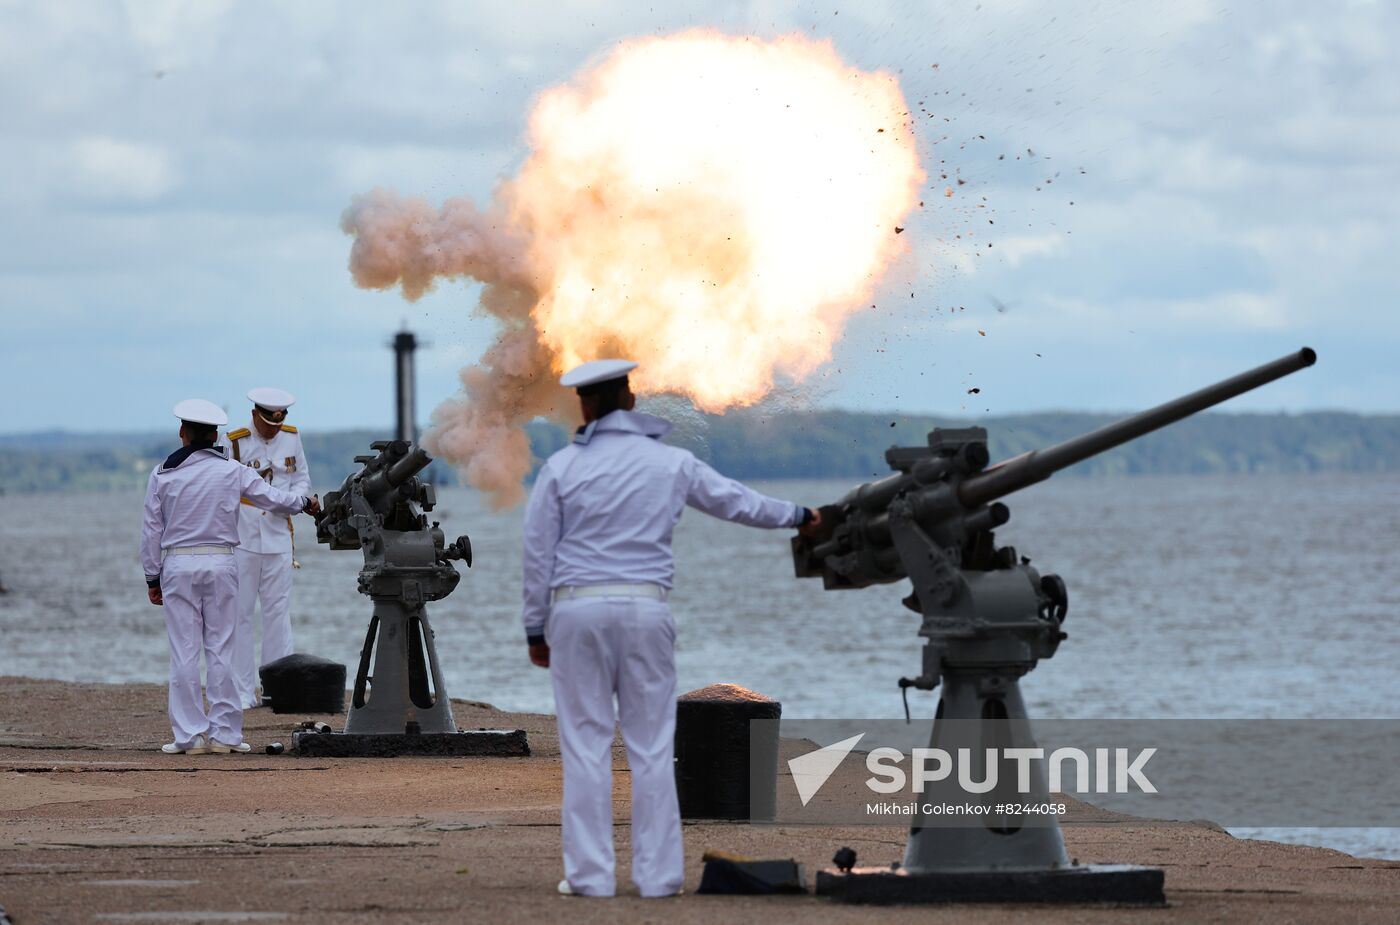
(177, 458)
(624, 422)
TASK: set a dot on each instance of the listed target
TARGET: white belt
(569, 592)
(196, 551)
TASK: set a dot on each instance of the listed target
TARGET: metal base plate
(489, 743)
(1123, 884)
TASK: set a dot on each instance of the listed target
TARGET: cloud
(112, 170)
(1218, 312)
(1239, 163)
(174, 32)
(1247, 310)
(1017, 248)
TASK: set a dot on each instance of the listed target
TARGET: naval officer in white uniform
(189, 528)
(598, 571)
(272, 448)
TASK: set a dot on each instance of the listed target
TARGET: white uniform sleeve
(261, 494)
(152, 529)
(727, 499)
(543, 520)
(301, 478)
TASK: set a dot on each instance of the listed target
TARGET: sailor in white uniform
(272, 448)
(597, 574)
(189, 528)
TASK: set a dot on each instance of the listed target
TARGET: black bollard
(713, 779)
(304, 684)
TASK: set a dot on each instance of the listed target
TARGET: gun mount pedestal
(405, 678)
(399, 704)
(1003, 859)
(988, 618)
(984, 630)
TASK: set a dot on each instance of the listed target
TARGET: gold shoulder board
(288, 428)
(233, 437)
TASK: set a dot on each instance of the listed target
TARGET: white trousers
(265, 577)
(200, 594)
(598, 648)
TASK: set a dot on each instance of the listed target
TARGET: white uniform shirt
(603, 509)
(282, 463)
(196, 502)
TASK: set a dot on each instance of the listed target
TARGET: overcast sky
(1212, 185)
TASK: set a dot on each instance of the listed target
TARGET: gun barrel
(406, 468)
(1036, 466)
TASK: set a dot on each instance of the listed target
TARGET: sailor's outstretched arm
(263, 495)
(728, 499)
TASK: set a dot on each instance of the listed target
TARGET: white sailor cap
(596, 371)
(271, 399)
(199, 411)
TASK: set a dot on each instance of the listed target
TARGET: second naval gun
(988, 617)
(399, 704)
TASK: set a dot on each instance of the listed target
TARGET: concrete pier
(97, 826)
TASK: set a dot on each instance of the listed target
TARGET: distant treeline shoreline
(766, 444)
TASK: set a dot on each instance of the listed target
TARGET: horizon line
(131, 432)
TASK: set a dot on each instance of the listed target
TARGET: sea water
(1190, 597)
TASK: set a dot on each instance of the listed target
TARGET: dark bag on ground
(729, 873)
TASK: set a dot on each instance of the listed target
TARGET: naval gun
(408, 562)
(987, 615)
